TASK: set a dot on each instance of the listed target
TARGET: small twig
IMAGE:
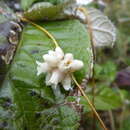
(111, 120)
(90, 104)
(84, 10)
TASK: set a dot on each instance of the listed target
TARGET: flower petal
(48, 76)
(51, 53)
(69, 56)
(56, 77)
(42, 67)
(76, 65)
(59, 52)
(51, 60)
(67, 83)
(63, 66)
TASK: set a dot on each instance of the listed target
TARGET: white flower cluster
(58, 67)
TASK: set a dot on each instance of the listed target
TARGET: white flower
(84, 2)
(68, 64)
(58, 67)
(42, 67)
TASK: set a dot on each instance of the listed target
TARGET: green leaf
(71, 36)
(54, 1)
(46, 11)
(106, 72)
(33, 99)
(107, 99)
(60, 117)
(27, 3)
(126, 124)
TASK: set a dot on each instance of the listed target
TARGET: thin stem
(112, 120)
(42, 29)
(84, 10)
(90, 104)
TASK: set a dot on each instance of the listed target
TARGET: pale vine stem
(89, 102)
(42, 29)
(80, 88)
(85, 12)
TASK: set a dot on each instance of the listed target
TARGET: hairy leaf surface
(104, 32)
(36, 106)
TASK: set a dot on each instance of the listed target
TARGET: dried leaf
(9, 33)
(47, 11)
(104, 32)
